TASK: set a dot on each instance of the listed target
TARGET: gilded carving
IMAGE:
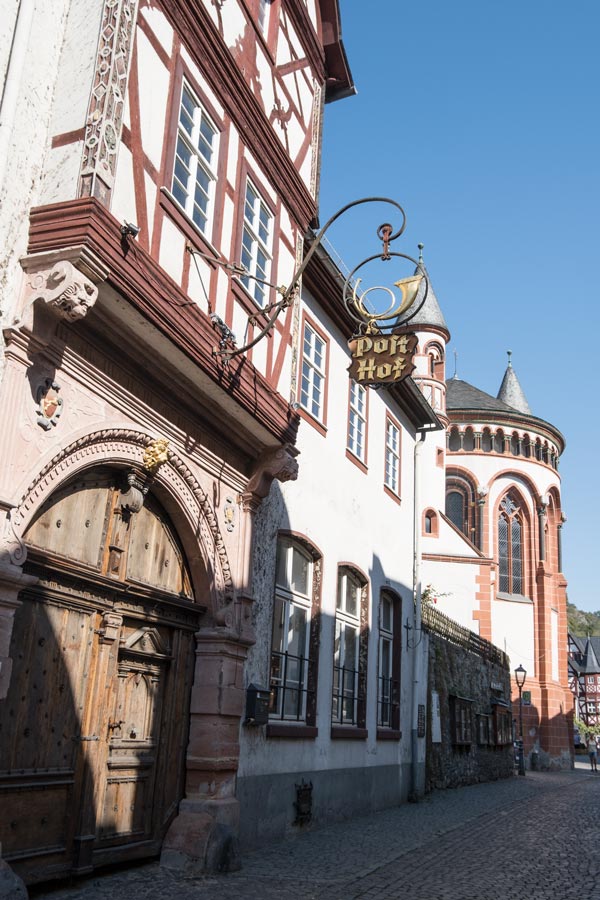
(155, 455)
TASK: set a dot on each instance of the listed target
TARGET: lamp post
(520, 675)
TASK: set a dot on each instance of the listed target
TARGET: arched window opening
(430, 522)
(486, 440)
(435, 361)
(538, 450)
(527, 447)
(469, 440)
(515, 444)
(295, 636)
(510, 546)
(454, 441)
(390, 648)
(499, 441)
(350, 650)
(456, 509)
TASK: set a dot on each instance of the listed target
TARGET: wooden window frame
(388, 725)
(306, 727)
(340, 726)
(461, 721)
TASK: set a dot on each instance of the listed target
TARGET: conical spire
(590, 661)
(511, 391)
(430, 313)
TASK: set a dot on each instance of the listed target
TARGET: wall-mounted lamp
(130, 228)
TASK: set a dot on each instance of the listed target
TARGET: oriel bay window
(294, 654)
(388, 684)
(350, 650)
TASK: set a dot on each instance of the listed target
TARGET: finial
(509, 359)
(455, 376)
(420, 246)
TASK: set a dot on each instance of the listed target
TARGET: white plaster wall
(349, 517)
(458, 582)
(71, 99)
(449, 542)
(25, 129)
(513, 632)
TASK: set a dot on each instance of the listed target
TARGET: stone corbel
(63, 281)
(279, 463)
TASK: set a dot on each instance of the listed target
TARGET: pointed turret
(590, 660)
(511, 391)
(429, 315)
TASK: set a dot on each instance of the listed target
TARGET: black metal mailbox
(257, 705)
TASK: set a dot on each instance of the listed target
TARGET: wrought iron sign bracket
(368, 321)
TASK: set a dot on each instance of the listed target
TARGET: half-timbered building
(161, 169)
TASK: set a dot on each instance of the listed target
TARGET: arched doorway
(94, 729)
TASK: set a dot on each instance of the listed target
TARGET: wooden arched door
(94, 730)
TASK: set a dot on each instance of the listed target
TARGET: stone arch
(174, 484)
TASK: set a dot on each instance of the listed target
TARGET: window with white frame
(257, 243)
(291, 632)
(344, 710)
(312, 380)
(392, 457)
(194, 171)
(357, 420)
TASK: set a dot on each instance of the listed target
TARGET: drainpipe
(415, 791)
(13, 79)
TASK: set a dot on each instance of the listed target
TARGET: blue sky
(481, 119)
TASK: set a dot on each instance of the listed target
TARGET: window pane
(300, 570)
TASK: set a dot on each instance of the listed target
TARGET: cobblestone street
(532, 838)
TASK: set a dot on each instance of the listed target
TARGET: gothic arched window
(510, 546)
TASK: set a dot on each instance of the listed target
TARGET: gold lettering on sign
(382, 358)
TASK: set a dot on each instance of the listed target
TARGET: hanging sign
(382, 358)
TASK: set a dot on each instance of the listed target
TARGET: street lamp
(520, 676)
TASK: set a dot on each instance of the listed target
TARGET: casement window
(196, 153)
(388, 683)
(349, 652)
(510, 546)
(461, 711)
(312, 378)
(502, 726)
(357, 420)
(392, 457)
(257, 245)
(295, 631)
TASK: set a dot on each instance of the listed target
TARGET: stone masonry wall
(455, 672)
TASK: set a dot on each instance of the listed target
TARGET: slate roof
(462, 395)
(586, 660)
